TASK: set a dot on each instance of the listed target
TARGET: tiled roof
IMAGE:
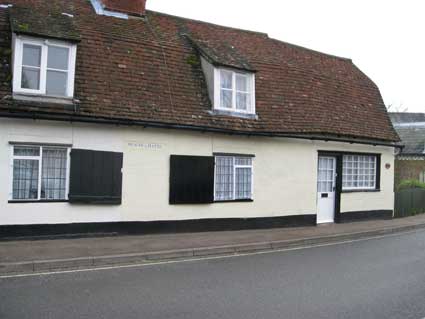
(136, 7)
(53, 24)
(221, 53)
(146, 69)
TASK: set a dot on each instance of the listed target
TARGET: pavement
(22, 256)
(371, 279)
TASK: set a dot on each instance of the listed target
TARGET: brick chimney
(132, 7)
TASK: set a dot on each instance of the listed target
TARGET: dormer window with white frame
(231, 90)
(43, 67)
(234, 91)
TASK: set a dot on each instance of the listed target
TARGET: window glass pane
(53, 173)
(25, 179)
(56, 83)
(241, 83)
(57, 58)
(30, 78)
(26, 151)
(224, 178)
(226, 80)
(31, 55)
(326, 175)
(359, 172)
(243, 161)
(322, 175)
(243, 183)
(226, 99)
(233, 182)
(242, 101)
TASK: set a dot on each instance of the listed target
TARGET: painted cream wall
(284, 173)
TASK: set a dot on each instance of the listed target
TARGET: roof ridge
(417, 113)
(209, 23)
(311, 50)
(250, 31)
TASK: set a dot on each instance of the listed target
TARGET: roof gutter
(100, 120)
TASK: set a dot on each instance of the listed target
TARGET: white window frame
(18, 45)
(217, 91)
(40, 168)
(235, 166)
(356, 188)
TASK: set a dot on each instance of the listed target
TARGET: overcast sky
(385, 38)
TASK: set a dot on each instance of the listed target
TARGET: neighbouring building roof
(413, 139)
(406, 118)
(148, 70)
(411, 129)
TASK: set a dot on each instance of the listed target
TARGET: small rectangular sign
(145, 146)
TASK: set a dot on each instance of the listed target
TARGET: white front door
(326, 180)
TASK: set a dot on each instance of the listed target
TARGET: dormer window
(231, 90)
(44, 67)
(229, 76)
(236, 91)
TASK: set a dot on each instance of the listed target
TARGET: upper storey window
(44, 67)
(236, 91)
(229, 76)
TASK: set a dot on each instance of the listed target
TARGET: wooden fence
(409, 202)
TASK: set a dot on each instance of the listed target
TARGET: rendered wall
(284, 173)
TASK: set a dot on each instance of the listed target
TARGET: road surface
(377, 278)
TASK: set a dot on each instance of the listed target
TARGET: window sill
(234, 201)
(234, 113)
(361, 191)
(43, 98)
(18, 201)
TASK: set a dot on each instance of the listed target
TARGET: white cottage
(115, 118)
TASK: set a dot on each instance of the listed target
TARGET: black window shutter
(191, 179)
(95, 177)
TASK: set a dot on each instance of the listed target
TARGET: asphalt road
(378, 278)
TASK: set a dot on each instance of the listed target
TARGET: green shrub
(410, 183)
